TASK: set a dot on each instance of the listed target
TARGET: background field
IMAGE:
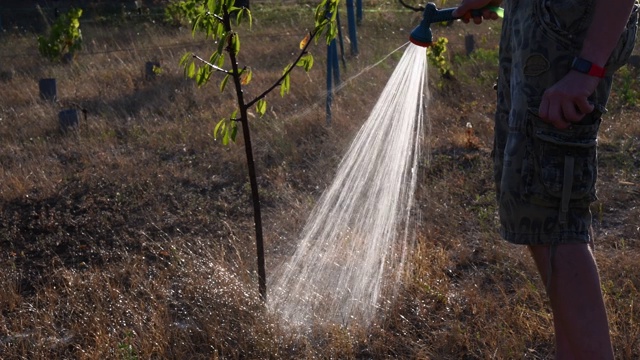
(133, 236)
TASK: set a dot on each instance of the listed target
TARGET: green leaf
(214, 58)
(207, 73)
(222, 124)
(220, 62)
(225, 137)
(223, 84)
(184, 59)
(309, 64)
(211, 6)
(261, 107)
(208, 26)
(201, 76)
(221, 42)
(191, 73)
(229, 132)
(306, 62)
(250, 17)
(332, 32)
(320, 12)
(194, 28)
(239, 14)
(218, 8)
(235, 43)
(219, 31)
(284, 87)
(234, 130)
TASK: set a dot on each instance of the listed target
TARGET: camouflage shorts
(546, 177)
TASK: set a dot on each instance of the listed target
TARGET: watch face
(585, 66)
(581, 65)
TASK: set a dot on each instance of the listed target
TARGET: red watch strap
(587, 67)
(597, 71)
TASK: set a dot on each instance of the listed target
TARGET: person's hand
(464, 10)
(566, 102)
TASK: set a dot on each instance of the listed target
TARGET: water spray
(351, 255)
(422, 35)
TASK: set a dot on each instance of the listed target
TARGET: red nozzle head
(421, 36)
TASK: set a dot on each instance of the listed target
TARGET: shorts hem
(545, 239)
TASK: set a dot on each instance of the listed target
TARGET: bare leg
(579, 314)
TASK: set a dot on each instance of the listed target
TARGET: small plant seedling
(435, 54)
(64, 38)
(126, 348)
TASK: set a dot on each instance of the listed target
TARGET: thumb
(585, 106)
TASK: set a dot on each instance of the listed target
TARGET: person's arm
(609, 20)
(566, 101)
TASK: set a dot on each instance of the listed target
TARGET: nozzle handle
(422, 36)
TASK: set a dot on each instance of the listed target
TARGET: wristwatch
(587, 67)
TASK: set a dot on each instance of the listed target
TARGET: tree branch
(312, 36)
(217, 68)
(215, 16)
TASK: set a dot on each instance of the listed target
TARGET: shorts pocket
(565, 163)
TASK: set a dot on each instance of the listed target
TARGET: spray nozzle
(422, 35)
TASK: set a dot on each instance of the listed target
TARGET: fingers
(585, 107)
(465, 15)
(490, 15)
(552, 114)
(571, 113)
(562, 115)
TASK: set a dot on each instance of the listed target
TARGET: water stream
(353, 248)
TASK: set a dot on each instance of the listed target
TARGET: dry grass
(132, 238)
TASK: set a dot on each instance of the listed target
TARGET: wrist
(587, 67)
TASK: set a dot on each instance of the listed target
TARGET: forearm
(609, 20)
